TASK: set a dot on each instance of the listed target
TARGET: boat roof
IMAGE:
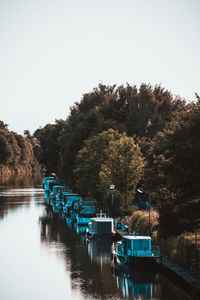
(102, 219)
(59, 186)
(88, 203)
(70, 194)
(136, 237)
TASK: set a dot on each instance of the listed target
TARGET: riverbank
(182, 277)
(179, 252)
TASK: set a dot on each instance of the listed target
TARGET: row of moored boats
(130, 249)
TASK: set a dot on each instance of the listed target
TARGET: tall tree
(173, 171)
(89, 161)
(49, 149)
(91, 116)
(123, 167)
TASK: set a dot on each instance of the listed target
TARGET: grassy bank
(180, 250)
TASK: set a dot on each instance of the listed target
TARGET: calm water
(43, 257)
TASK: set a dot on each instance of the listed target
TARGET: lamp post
(112, 187)
(144, 203)
(149, 207)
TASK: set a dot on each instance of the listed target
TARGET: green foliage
(16, 152)
(89, 161)
(180, 249)
(4, 149)
(123, 167)
(115, 209)
(173, 170)
(27, 134)
(109, 158)
(47, 151)
(139, 222)
(149, 111)
(94, 114)
(9, 151)
(3, 125)
(137, 112)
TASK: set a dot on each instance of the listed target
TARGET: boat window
(88, 210)
(129, 244)
(141, 244)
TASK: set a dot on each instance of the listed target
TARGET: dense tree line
(130, 137)
(16, 153)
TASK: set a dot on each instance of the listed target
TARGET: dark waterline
(42, 257)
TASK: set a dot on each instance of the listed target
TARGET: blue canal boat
(135, 251)
(69, 199)
(57, 189)
(101, 227)
(86, 211)
(48, 184)
(58, 203)
(74, 210)
(46, 179)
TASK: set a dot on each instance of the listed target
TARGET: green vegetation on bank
(16, 153)
(130, 137)
(180, 249)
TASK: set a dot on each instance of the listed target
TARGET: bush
(139, 222)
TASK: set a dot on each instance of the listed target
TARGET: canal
(44, 257)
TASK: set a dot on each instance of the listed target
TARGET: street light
(144, 203)
(112, 187)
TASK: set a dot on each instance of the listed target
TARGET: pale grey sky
(52, 52)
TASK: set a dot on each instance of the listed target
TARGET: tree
(123, 167)
(173, 172)
(89, 161)
(3, 125)
(27, 134)
(16, 153)
(49, 147)
(94, 114)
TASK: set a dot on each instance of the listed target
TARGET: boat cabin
(56, 189)
(70, 198)
(86, 211)
(101, 226)
(132, 245)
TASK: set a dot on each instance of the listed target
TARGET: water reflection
(99, 251)
(55, 260)
(87, 277)
(21, 181)
(137, 285)
(19, 191)
(80, 229)
(89, 264)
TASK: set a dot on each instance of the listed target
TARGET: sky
(54, 51)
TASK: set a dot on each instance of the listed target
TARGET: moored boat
(58, 202)
(56, 190)
(68, 200)
(101, 227)
(86, 211)
(48, 183)
(135, 251)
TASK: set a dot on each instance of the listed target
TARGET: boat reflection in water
(79, 229)
(69, 222)
(99, 250)
(90, 271)
(137, 284)
(87, 277)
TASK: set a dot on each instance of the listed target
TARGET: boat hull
(141, 262)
